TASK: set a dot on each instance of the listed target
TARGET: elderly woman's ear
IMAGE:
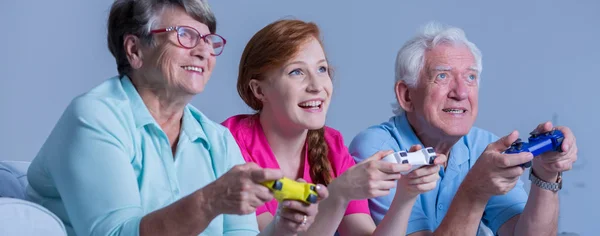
(132, 45)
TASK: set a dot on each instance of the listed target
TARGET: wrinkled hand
(239, 191)
(294, 216)
(422, 179)
(496, 173)
(368, 179)
(547, 165)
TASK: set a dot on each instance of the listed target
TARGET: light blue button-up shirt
(107, 163)
(431, 207)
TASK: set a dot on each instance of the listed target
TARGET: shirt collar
(192, 118)
(141, 114)
(193, 127)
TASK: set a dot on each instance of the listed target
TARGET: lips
(455, 110)
(311, 104)
(193, 68)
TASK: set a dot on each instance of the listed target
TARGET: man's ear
(255, 87)
(403, 96)
(133, 45)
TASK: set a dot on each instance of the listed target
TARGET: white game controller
(423, 157)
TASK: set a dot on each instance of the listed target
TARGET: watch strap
(554, 187)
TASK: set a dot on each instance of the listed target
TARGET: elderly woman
(132, 157)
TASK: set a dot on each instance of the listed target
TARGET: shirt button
(440, 206)
(176, 191)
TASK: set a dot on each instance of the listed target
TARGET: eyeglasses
(189, 37)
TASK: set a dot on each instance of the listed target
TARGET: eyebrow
(303, 63)
(442, 68)
(448, 68)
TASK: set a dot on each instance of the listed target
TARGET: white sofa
(19, 216)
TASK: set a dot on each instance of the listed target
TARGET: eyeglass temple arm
(162, 30)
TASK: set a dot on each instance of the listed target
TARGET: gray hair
(411, 57)
(138, 17)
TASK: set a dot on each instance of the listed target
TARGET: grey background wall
(540, 63)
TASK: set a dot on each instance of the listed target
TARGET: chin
(310, 121)
(199, 90)
(195, 89)
(314, 125)
(457, 130)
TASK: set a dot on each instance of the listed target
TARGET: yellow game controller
(287, 189)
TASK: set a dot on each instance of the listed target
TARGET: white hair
(410, 59)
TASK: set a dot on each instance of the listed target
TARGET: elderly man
(437, 84)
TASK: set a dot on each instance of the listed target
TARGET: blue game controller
(538, 143)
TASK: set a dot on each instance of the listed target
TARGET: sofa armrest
(19, 217)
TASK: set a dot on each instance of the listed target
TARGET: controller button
(277, 185)
(311, 198)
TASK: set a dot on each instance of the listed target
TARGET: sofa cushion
(12, 181)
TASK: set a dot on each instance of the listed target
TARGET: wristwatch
(554, 187)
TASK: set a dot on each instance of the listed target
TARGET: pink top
(249, 135)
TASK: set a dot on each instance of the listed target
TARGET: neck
(432, 137)
(287, 143)
(165, 107)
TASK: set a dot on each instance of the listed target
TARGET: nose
(202, 50)
(315, 84)
(459, 90)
